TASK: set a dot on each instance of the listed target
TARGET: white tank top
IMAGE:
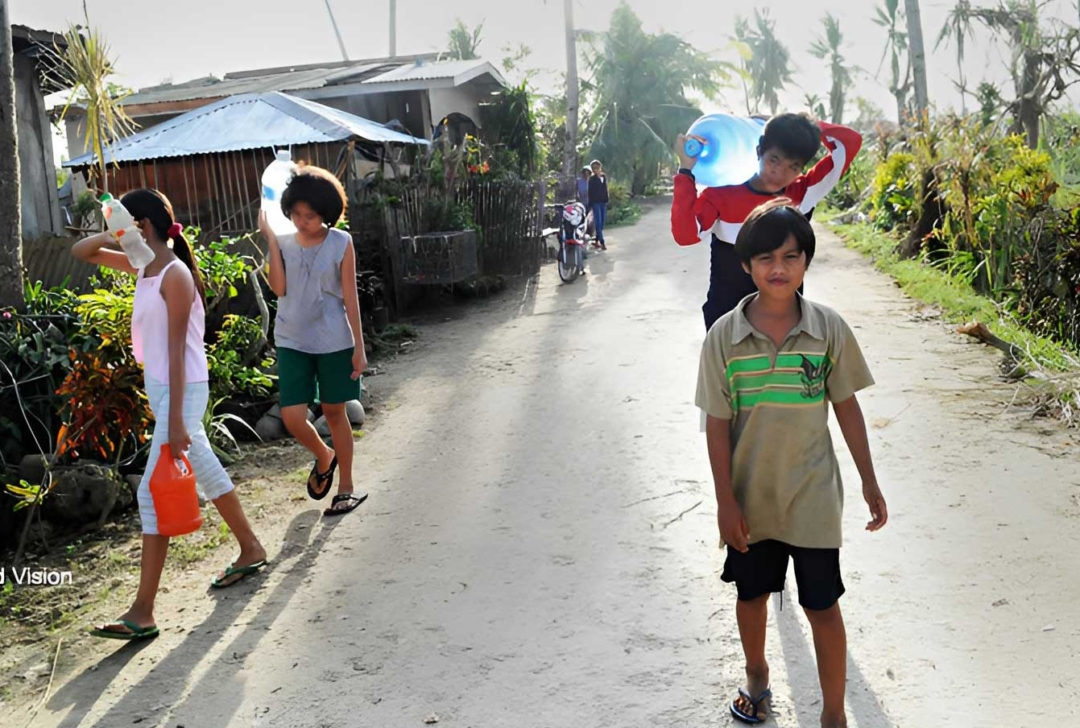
(150, 331)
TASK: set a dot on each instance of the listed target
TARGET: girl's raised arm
(93, 250)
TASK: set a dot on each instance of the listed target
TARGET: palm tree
(816, 106)
(464, 43)
(741, 40)
(84, 66)
(958, 29)
(11, 292)
(573, 102)
(1045, 59)
(829, 47)
(889, 17)
(918, 53)
(770, 61)
(639, 85)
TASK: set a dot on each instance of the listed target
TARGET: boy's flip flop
(222, 582)
(353, 500)
(134, 631)
(755, 705)
(315, 478)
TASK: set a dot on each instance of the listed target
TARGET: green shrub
(893, 200)
(622, 209)
(230, 376)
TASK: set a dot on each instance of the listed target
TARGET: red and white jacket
(722, 210)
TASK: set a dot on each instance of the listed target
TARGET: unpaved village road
(540, 546)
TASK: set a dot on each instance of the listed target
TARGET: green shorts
(309, 378)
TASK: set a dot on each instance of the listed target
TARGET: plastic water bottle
(274, 181)
(729, 154)
(120, 223)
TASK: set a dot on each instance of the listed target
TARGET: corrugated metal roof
(435, 71)
(211, 87)
(313, 77)
(249, 121)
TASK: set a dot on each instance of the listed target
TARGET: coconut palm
(638, 86)
(890, 17)
(918, 53)
(816, 106)
(958, 30)
(828, 47)
(465, 43)
(769, 64)
(1044, 56)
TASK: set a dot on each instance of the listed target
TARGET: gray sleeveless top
(311, 315)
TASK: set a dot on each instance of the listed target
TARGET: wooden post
(11, 262)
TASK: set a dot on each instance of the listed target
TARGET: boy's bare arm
(729, 517)
(853, 425)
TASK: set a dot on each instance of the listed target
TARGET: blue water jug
(729, 155)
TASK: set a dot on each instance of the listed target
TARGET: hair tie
(176, 230)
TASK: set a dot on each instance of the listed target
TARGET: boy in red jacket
(788, 143)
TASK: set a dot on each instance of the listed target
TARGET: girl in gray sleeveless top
(317, 332)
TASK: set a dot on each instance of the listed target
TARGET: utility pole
(393, 28)
(337, 32)
(11, 269)
(570, 158)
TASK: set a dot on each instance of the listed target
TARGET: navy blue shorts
(763, 570)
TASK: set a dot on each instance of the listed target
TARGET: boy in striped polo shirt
(767, 370)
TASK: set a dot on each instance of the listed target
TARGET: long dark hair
(155, 208)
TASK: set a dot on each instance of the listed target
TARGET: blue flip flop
(755, 705)
(135, 632)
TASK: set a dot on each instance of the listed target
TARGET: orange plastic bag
(172, 487)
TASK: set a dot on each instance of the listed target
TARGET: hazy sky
(185, 39)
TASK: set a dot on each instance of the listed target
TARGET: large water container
(176, 500)
(121, 225)
(729, 154)
(275, 179)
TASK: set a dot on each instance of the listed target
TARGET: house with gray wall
(37, 167)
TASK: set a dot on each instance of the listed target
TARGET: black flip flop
(755, 705)
(354, 503)
(315, 477)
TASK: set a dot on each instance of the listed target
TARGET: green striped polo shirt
(785, 474)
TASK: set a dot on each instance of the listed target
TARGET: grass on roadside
(1053, 370)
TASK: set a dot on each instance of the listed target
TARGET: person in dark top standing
(583, 187)
(598, 200)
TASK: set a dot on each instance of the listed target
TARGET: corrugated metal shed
(248, 121)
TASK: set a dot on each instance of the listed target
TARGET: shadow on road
(801, 665)
(167, 682)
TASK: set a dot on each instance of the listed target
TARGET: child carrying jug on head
(320, 344)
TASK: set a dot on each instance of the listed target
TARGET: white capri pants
(213, 481)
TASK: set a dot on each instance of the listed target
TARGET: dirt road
(540, 546)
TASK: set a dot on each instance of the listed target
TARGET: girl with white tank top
(169, 307)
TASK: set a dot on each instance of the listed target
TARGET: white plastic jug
(121, 225)
(275, 179)
(729, 155)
